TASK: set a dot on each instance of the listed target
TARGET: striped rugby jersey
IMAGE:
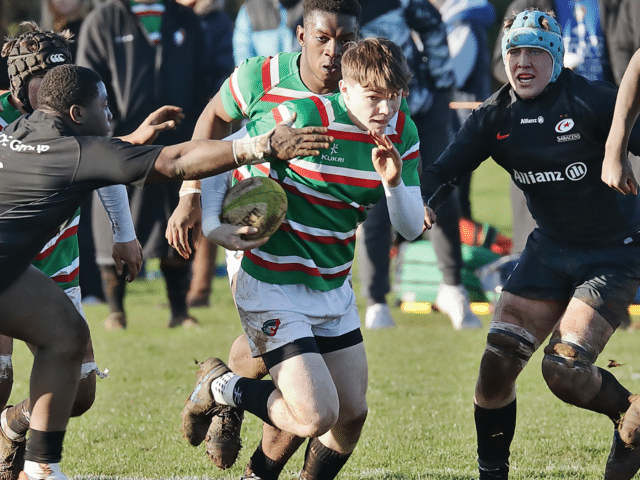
(329, 195)
(59, 259)
(257, 86)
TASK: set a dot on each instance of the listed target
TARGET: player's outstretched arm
(167, 117)
(202, 158)
(616, 169)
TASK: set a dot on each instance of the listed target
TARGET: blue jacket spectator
(427, 52)
(264, 28)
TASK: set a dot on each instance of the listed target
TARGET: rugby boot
(200, 407)
(629, 426)
(11, 454)
(223, 437)
(623, 461)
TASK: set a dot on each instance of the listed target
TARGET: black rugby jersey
(553, 148)
(46, 173)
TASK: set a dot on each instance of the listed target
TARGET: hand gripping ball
(257, 202)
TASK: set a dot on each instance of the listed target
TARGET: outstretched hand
(618, 174)
(288, 142)
(386, 159)
(165, 118)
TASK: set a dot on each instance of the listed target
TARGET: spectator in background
(59, 15)
(266, 27)
(218, 34)
(149, 54)
(430, 89)
(624, 40)
(467, 24)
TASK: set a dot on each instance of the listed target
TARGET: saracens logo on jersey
(574, 172)
(564, 126)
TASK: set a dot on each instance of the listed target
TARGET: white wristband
(188, 191)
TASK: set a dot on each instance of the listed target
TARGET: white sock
(222, 388)
(11, 435)
(43, 471)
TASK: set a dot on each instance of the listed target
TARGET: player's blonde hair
(376, 63)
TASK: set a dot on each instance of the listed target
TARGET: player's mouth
(525, 78)
(331, 68)
(379, 125)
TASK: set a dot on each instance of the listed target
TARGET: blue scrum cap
(527, 31)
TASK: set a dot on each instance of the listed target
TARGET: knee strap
(571, 350)
(511, 342)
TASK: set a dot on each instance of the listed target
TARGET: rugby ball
(257, 202)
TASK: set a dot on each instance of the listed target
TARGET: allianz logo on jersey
(524, 121)
(331, 157)
(574, 172)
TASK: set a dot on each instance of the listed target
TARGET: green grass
(422, 376)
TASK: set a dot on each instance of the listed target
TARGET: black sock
(44, 447)
(113, 286)
(264, 467)
(612, 399)
(495, 429)
(177, 279)
(322, 463)
(253, 395)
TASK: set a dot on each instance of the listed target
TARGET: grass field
(422, 376)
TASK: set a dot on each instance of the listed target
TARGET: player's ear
(342, 86)
(76, 113)
(300, 35)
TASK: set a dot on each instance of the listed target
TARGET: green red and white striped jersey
(260, 84)
(9, 112)
(59, 259)
(256, 87)
(329, 195)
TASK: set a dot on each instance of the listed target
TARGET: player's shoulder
(271, 69)
(314, 110)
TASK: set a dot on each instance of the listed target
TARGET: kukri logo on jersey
(574, 172)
